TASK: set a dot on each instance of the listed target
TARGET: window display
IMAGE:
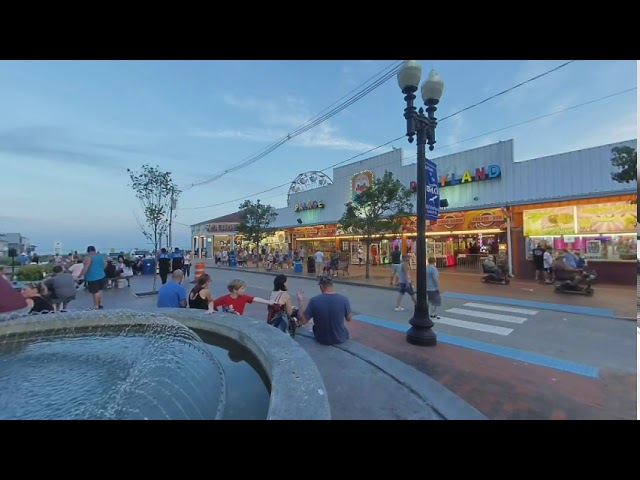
(594, 247)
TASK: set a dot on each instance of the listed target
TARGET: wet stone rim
(297, 389)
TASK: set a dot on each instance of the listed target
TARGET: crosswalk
(486, 312)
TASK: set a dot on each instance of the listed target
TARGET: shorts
(548, 270)
(396, 269)
(96, 285)
(540, 267)
(406, 289)
(433, 297)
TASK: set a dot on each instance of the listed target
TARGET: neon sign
(309, 206)
(492, 172)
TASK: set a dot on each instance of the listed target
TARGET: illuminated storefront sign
(309, 206)
(221, 227)
(491, 172)
(360, 182)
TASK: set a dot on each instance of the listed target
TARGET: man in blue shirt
(172, 294)
(329, 310)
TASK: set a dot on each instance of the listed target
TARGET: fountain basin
(296, 387)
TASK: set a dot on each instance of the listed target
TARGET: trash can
(297, 266)
(233, 262)
(148, 266)
(311, 265)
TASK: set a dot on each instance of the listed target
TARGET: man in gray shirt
(329, 310)
(433, 287)
(63, 287)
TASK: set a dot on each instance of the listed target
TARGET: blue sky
(70, 129)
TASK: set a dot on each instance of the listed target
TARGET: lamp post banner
(433, 192)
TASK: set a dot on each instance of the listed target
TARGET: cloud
(537, 91)
(61, 146)
(276, 120)
(353, 73)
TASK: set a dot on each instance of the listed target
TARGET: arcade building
(495, 205)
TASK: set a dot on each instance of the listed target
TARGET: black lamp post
(424, 128)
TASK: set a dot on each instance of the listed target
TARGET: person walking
(94, 276)
(406, 284)
(433, 287)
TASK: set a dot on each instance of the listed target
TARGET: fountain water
(120, 366)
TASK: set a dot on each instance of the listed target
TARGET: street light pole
(423, 127)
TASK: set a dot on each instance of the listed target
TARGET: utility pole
(172, 207)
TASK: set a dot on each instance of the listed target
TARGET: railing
(467, 261)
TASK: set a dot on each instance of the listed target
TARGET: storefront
(603, 230)
(488, 196)
(215, 235)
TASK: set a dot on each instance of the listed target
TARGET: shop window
(593, 247)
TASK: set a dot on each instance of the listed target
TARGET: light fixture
(432, 88)
(409, 75)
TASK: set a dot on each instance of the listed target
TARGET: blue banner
(433, 192)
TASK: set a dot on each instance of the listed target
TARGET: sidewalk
(618, 299)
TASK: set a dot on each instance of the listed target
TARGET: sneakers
(399, 309)
(437, 317)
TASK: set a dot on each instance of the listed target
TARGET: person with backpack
(282, 313)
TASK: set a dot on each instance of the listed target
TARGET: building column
(233, 242)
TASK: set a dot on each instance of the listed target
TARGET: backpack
(280, 319)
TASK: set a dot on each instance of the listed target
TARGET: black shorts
(404, 288)
(540, 267)
(96, 285)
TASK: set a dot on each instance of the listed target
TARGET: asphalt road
(597, 341)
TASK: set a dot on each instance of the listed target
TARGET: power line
(413, 155)
(395, 67)
(385, 74)
(508, 90)
(543, 116)
(289, 182)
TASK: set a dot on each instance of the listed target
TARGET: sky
(70, 129)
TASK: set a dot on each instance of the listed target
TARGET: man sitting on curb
(329, 310)
(172, 294)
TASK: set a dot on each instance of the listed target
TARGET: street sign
(433, 192)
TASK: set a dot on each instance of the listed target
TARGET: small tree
(377, 210)
(155, 190)
(626, 159)
(255, 221)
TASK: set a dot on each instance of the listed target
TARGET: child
(433, 287)
(236, 300)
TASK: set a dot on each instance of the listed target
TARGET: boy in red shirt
(236, 300)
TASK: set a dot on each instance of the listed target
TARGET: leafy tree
(155, 190)
(255, 221)
(626, 159)
(377, 210)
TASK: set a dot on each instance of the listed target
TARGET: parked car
(137, 252)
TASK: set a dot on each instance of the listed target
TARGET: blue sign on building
(433, 192)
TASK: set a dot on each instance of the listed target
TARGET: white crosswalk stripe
(479, 311)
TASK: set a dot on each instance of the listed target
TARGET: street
(596, 341)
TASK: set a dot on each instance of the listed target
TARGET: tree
(255, 221)
(626, 159)
(378, 210)
(155, 190)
